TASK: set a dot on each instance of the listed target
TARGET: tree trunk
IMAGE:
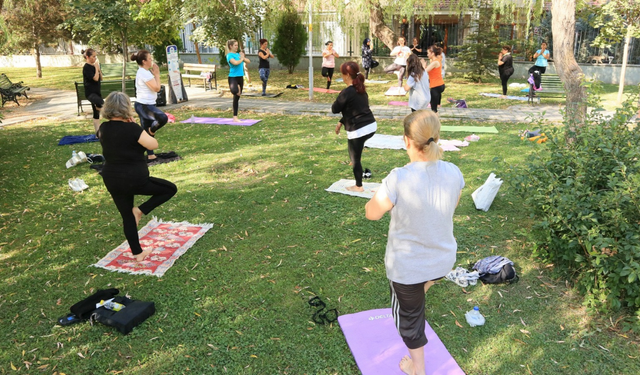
(377, 25)
(563, 27)
(36, 51)
(125, 52)
(197, 47)
(625, 57)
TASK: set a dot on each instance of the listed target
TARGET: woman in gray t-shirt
(417, 84)
(421, 198)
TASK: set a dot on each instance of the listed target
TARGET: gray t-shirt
(420, 93)
(420, 245)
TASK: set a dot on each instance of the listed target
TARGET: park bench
(10, 90)
(106, 87)
(207, 73)
(115, 70)
(552, 87)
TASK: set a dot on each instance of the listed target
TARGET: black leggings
(235, 85)
(436, 97)
(328, 72)
(542, 69)
(96, 104)
(123, 191)
(504, 79)
(356, 146)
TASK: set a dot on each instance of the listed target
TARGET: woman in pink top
(328, 62)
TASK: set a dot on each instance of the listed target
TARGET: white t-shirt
(420, 93)
(421, 245)
(399, 52)
(144, 94)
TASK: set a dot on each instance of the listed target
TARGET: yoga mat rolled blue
(378, 348)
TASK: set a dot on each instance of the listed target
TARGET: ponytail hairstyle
(88, 52)
(230, 42)
(435, 50)
(352, 70)
(262, 41)
(140, 56)
(414, 67)
(423, 128)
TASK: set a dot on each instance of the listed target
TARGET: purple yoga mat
(378, 348)
(399, 103)
(219, 121)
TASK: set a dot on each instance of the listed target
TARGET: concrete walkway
(61, 105)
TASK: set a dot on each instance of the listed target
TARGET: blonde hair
(117, 104)
(423, 128)
(230, 42)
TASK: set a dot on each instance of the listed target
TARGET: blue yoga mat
(73, 139)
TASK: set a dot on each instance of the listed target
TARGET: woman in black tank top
(264, 54)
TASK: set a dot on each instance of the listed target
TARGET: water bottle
(193, 119)
(112, 305)
(474, 318)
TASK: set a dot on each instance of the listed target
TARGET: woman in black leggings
(236, 73)
(91, 77)
(125, 172)
(358, 120)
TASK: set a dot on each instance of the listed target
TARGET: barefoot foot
(355, 188)
(140, 257)
(236, 119)
(406, 365)
(138, 215)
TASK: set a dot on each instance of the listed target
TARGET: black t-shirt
(264, 63)
(124, 156)
(90, 86)
(506, 69)
(355, 109)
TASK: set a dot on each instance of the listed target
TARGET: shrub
(583, 194)
(291, 39)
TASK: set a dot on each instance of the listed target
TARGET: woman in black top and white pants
(91, 77)
(125, 172)
(357, 118)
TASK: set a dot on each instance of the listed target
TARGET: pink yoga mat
(399, 103)
(378, 348)
(219, 121)
(318, 89)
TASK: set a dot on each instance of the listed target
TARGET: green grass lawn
(456, 87)
(236, 302)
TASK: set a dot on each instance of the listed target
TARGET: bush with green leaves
(291, 39)
(583, 190)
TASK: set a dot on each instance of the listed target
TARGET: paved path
(61, 105)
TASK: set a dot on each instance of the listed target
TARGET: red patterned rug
(168, 240)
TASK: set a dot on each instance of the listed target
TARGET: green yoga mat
(470, 129)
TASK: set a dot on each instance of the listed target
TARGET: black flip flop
(69, 319)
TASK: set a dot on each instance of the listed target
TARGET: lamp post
(310, 54)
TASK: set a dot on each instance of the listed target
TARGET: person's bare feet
(236, 119)
(145, 253)
(355, 188)
(406, 365)
(138, 215)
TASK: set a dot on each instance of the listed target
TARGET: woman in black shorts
(91, 77)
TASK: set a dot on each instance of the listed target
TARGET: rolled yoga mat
(378, 348)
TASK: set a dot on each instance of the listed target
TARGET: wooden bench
(203, 69)
(106, 87)
(11, 91)
(115, 70)
(552, 87)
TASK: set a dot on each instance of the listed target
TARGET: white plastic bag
(484, 195)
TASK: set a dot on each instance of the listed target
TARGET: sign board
(175, 80)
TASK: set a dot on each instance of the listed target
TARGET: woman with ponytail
(421, 198)
(357, 118)
(417, 84)
(91, 77)
(435, 76)
(236, 73)
(147, 88)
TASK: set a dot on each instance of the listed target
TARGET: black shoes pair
(366, 174)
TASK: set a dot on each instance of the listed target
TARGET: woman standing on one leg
(263, 67)
(91, 77)
(367, 57)
(125, 172)
(236, 73)
(421, 197)
(435, 76)
(147, 88)
(505, 67)
(401, 53)
(357, 118)
(329, 62)
(417, 84)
